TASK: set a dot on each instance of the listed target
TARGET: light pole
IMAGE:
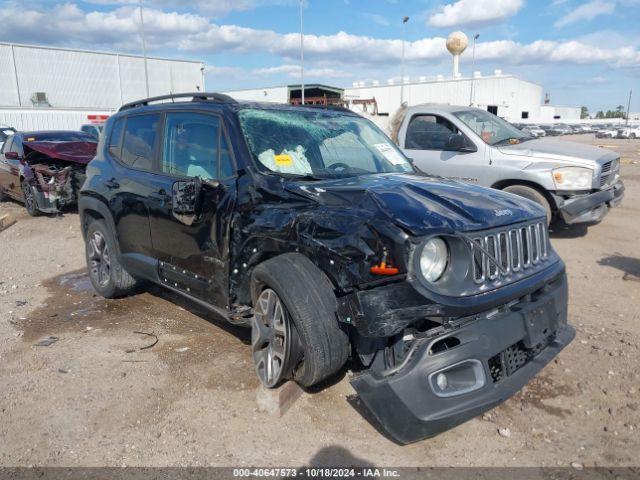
(301, 55)
(404, 21)
(473, 67)
(629, 107)
(144, 51)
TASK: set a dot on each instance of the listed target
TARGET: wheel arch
(90, 209)
(502, 184)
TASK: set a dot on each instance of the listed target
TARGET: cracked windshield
(319, 144)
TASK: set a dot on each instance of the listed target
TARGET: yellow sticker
(31, 139)
(284, 160)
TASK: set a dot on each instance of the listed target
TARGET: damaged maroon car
(45, 170)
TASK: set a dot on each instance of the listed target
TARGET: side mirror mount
(458, 143)
(12, 156)
(185, 197)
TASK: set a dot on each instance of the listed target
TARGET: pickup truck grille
(511, 250)
(608, 171)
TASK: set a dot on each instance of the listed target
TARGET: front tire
(107, 276)
(309, 344)
(29, 199)
(531, 194)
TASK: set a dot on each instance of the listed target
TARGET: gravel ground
(95, 398)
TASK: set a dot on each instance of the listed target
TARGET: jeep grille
(512, 250)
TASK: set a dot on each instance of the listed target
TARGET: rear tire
(531, 194)
(319, 347)
(107, 276)
(29, 199)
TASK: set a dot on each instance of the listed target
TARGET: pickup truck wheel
(29, 199)
(531, 194)
(107, 276)
(295, 325)
(632, 135)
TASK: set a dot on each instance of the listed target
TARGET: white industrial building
(507, 96)
(45, 87)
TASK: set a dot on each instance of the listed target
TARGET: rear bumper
(408, 404)
(590, 208)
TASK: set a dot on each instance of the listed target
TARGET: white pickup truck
(573, 182)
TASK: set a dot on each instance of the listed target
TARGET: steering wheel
(335, 166)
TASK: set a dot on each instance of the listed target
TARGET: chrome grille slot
(510, 251)
(492, 248)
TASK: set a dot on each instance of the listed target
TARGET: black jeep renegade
(308, 225)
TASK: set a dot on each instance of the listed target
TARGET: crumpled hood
(77, 152)
(551, 149)
(420, 204)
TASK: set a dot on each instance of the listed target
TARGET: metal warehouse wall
(79, 79)
(46, 118)
(550, 112)
(511, 95)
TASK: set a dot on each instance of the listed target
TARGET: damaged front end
(439, 353)
(55, 171)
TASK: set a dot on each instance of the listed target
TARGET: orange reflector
(383, 269)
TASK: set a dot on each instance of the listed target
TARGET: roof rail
(195, 97)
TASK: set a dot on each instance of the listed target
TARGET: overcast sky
(581, 52)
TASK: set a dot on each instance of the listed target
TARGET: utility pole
(629, 106)
(404, 21)
(301, 55)
(473, 67)
(144, 51)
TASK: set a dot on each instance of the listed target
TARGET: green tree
(600, 114)
(584, 112)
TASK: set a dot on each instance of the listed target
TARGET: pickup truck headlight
(573, 178)
(434, 259)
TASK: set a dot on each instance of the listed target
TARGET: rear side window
(139, 139)
(195, 146)
(115, 141)
(428, 132)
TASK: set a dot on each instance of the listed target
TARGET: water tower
(456, 44)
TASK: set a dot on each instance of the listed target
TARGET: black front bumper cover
(405, 403)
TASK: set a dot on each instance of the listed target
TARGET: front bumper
(406, 403)
(590, 208)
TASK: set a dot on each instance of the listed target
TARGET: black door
(190, 209)
(133, 146)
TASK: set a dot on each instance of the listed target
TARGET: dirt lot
(94, 398)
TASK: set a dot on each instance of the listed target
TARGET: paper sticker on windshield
(31, 139)
(284, 160)
(390, 153)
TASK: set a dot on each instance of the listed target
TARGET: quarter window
(139, 140)
(195, 146)
(115, 141)
(429, 132)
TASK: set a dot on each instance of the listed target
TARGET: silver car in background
(573, 182)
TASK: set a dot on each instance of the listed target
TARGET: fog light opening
(457, 379)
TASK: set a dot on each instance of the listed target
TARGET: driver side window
(192, 146)
(429, 132)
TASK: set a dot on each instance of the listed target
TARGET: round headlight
(434, 258)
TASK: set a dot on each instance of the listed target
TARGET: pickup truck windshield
(493, 130)
(319, 144)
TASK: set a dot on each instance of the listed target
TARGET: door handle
(111, 184)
